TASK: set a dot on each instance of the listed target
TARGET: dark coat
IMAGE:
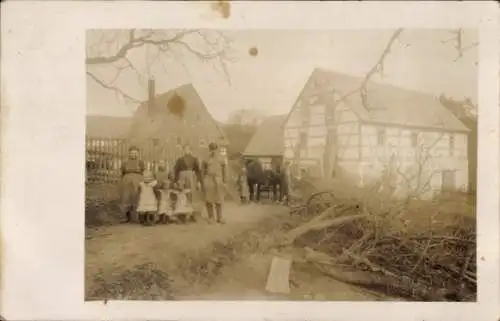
(186, 163)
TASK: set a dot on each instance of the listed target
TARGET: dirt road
(114, 249)
(189, 261)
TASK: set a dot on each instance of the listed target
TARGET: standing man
(214, 170)
(276, 180)
(285, 183)
(132, 170)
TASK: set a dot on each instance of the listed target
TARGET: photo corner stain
(253, 51)
(223, 7)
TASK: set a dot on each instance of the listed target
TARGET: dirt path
(113, 252)
(114, 249)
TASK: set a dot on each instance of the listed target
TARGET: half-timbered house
(371, 132)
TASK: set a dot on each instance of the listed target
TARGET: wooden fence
(104, 157)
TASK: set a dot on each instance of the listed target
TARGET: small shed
(267, 144)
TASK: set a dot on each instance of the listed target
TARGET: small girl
(147, 206)
(243, 186)
(165, 208)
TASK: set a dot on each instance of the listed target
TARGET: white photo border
(43, 130)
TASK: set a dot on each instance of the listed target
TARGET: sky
(271, 81)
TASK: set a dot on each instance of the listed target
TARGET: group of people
(148, 194)
(254, 178)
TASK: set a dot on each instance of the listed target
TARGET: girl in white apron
(147, 207)
(165, 208)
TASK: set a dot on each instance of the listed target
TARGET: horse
(256, 179)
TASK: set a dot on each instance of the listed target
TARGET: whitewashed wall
(413, 160)
(310, 121)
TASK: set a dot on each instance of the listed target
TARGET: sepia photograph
(297, 165)
(253, 160)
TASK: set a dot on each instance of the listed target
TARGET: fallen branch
(370, 265)
(394, 285)
(315, 256)
(319, 225)
(421, 258)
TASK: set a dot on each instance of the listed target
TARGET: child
(163, 191)
(165, 208)
(243, 186)
(147, 206)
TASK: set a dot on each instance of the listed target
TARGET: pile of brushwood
(416, 250)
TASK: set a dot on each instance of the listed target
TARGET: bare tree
(362, 90)
(246, 117)
(414, 170)
(113, 50)
(457, 36)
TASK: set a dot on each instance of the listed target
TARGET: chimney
(151, 96)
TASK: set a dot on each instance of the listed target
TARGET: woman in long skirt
(187, 176)
(132, 170)
(214, 170)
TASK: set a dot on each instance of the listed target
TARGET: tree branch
(133, 42)
(379, 66)
(114, 50)
(458, 38)
(113, 88)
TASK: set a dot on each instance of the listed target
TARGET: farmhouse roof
(463, 111)
(196, 116)
(107, 126)
(387, 104)
(268, 139)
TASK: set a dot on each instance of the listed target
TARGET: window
(317, 110)
(448, 181)
(451, 145)
(291, 133)
(414, 139)
(303, 140)
(304, 116)
(381, 137)
(317, 131)
(313, 99)
(155, 142)
(202, 142)
(317, 120)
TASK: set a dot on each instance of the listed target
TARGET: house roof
(463, 111)
(107, 126)
(268, 139)
(388, 104)
(196, 117)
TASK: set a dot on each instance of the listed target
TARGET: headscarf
(212, 146)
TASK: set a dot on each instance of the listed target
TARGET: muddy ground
(200, 261)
